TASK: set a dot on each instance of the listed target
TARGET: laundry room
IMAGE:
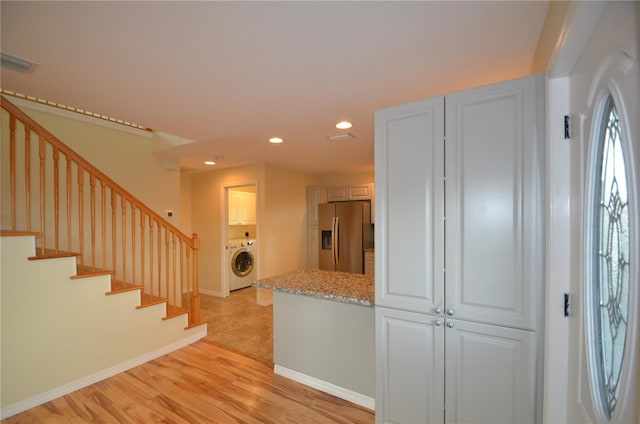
(241, 202)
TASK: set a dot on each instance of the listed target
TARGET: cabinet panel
(313, 246)
(360, 192)
(410, 364)
(494, 203)
(241, 208)
(315, 196)
(491, 374)
(337, 193)
(409, 207)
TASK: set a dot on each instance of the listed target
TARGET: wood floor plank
(200, 383)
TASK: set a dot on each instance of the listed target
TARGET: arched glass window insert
(610, 282)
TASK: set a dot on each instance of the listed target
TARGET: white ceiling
(230, 75)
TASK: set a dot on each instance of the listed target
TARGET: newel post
(195, 304)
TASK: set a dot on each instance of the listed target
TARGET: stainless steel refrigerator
(345, 231)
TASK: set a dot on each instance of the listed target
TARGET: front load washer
(242, 255)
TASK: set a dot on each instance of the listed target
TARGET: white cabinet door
(315, 196)
(495, 203)
(337, 193)
(409, 207)
(241, 207)
(359, 192)
(313, 246)
(490, 374)
(410, 364)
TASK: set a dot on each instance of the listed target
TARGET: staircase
(93, 281)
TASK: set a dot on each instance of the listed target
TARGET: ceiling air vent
(340, 137)
(16, 64)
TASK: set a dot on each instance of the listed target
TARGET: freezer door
(325, 239)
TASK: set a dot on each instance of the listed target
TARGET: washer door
(242, 263)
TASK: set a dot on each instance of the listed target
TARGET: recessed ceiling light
(275, 140)
(344, 125)
(209, 162)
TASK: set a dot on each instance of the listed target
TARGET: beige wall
(281, 219)
(71, 334)
(337, 179)
(283, 245)
(126, 158)
(549, 36)
(207, 217)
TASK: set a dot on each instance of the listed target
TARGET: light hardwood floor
(201, 383)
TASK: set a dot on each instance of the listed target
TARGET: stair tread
(52, 253)
(117, 286)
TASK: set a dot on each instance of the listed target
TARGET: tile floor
(238, 324)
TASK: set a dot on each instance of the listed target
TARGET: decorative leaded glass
(611, 285)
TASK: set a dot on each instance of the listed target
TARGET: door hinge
(566, 304)
(567, 127)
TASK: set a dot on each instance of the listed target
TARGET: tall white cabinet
(459, 256)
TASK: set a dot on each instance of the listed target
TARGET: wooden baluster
(123, 230)
(166, 264)
(189, 248)
(160, 259)
(142, 258)
(69, 201)
(56, 197)
(92, 207)
(175, 284)
(12, 168)
(181, 275)
(103, 216)
(42, 198)
(27, 174)
(133, 244)
(114, 204)
(151, 255)
(81, 213)
(195, 305)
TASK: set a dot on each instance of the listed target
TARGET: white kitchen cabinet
(490, 373)
(315, 196)
(478, 373)
(242, 208)
(465, 247)
(410, 374)
(344, 193)
(313, 247)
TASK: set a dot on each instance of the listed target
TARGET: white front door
(602, 260)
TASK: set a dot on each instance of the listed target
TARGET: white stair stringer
(60, 334)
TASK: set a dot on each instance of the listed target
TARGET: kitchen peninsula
(323, 331)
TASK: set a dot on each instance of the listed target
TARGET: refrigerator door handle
(336, 233)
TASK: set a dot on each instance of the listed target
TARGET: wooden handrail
(120, 228)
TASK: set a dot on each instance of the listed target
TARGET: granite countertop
(339, 286)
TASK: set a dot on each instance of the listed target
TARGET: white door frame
(580, 22)
(224, 240)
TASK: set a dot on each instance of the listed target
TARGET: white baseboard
(210, 292)
(332, 389)
(34, 401)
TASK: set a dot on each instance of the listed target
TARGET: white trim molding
(332, 389)
(47, 396)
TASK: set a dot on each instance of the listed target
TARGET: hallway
(238, 324)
